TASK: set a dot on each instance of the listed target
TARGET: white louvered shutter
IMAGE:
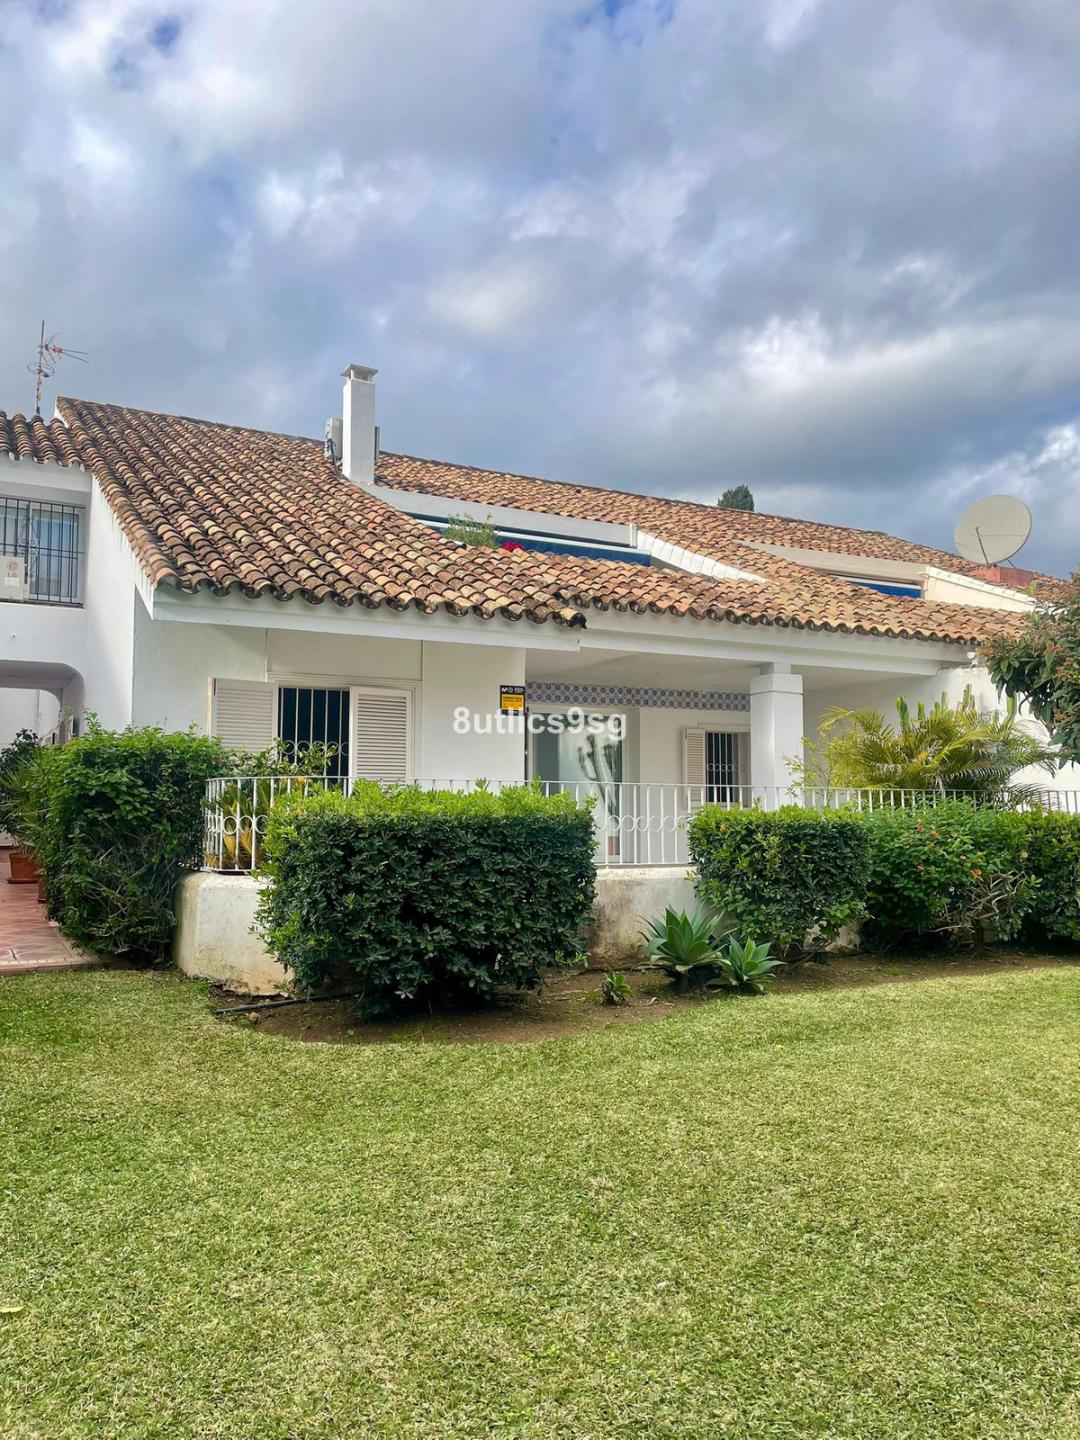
(243, 713)
(693, 751)
(694, 776)
(381, 734)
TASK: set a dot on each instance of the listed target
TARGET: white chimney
(358, 424)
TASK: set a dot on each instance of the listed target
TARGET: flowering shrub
(954, 870)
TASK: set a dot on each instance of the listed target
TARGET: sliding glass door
(585, 756)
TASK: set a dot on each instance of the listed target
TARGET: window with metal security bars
(42, 547)
(308, 716)
(721, 767)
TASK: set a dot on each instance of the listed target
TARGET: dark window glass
(312, 716)
(721, 767)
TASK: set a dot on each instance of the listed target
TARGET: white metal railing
(637, 823)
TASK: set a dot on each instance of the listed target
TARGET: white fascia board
(978, 592)
(769, 644)
(27, 479)
(506, 517)
(268, 613)
(679, 558)
(635, 634)
(838, 562)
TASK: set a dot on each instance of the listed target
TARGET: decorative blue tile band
(554, 692)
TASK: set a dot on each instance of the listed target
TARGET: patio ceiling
(613, 667)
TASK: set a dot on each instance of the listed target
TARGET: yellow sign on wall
(512, 699)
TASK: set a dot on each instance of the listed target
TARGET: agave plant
(945, 748)
(744, 967)
(683, 946)
(615, 988)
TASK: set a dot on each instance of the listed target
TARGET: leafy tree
(948, 747)
(739, 497)
(1042, 666)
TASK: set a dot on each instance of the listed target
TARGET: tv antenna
(992, 530)
(43, 366)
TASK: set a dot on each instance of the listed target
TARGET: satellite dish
(993, 530)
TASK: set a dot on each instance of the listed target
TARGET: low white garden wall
(214, 915)
(214, 940)
(627, 896)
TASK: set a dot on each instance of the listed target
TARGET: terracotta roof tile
(36, 439)
(219, 507)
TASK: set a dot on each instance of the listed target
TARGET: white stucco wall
(174, 662)
(113, 585)
(34, 710)
(214, 939)
(173, 665)
(354, 660)
(943, 586)
(660, 738)
(52, 635)
(625, 900)
(469, 676)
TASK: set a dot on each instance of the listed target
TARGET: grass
(848, 1215)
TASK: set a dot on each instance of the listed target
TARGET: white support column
(776, 729)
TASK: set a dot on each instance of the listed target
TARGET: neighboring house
(177, 572)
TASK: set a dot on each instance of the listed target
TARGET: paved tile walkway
(28, 941)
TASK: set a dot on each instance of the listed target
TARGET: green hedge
(1054, 860)
(121, 821)
(426, 896)
(783, 876)
(955, 873)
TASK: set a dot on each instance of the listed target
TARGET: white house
(170, 571)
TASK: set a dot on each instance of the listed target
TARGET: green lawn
(850, 1214)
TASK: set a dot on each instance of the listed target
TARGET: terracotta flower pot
(24, 868)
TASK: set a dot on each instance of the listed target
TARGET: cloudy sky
(825, 247)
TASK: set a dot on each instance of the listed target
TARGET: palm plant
(945, 748)
(26, 796)
(12, 760)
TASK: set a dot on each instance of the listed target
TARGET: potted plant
(22, 813)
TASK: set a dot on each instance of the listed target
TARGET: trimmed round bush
(434, 896)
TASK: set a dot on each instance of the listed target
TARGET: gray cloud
(821, 246)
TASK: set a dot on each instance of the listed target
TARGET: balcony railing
(637, 823)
